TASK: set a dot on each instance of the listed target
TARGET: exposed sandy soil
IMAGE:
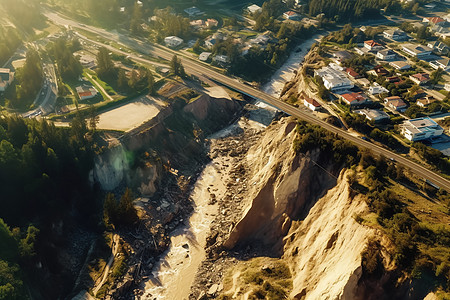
(131, 115)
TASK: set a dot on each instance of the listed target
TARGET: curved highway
(200, 68)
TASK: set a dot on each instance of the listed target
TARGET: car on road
(366, 138)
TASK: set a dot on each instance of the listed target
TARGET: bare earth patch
(131, 115)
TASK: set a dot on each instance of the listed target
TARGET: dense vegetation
(68, 66)
(9, 41)
(25, 14)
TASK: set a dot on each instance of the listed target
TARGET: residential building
(193, 11)
(443, 63)
(197, 23)
(433, 20)
(400, 65)
(210, 42)
(354, 99)
(334, 80)
(376, 89)
(173, 41)
(438, 47)
(204, 56)
(395, 34)
(342, 55)
(291, 15)
(311, 103)
(254, 8)
(372, 45)
(420, 129)
(420, 78)
(6, 77)
(363, 81)
(418, 51)
(424, 102)
(395, 103)
(417, 94)
(393, 79)
(86, 92)
(362, 50)
(352, 73)
(221, 59)
(379, 70)
(447, 87)
(374, 115)
(386, 54)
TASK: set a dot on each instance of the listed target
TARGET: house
(395, 103)
(362, 50)
(430, 6)
(197, 23)
(393, 79)
(342, 55)
(204, 56)
(386, 54)
(438, 47)
(354, 99)
(333, 79)
(86, 92)
(420, 78)
(221, 59)
(374, 115)
(417, 94)
(379, 70)
(173, 41)
(352, 73)
(372, 45)
(418, 51)
(210, 42)
(363, 81)
(376, 89)
(311, 103)
(210, 23)
(6, 77)
(400, 65)
(420, 129)
(433, 20)
(424, 102)
(447, 87)
(443, 63)
(254, 9)
(395, 34)
(291, 15)
(193, 11)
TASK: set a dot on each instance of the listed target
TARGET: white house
(221, 59)
(420, 129)
(204, 56)
(376, 89)
(374, 115)
(395, 103)
(416, 50)
(311, 104)
(443, 63)
(6, 77)
(334, 80)
(395, 34)
(372, 45)
(400, 65)
(438, 47)
(386, 54)
(254, 9)
(173, 41)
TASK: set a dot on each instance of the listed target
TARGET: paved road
(197, 67)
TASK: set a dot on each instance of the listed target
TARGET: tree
(197, 48)
(151, 82)
(106, 68)
(136, 19)
(436, 76)
(176, 67)
(109, 209)
(94, 118)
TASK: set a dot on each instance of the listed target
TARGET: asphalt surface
(200, 68)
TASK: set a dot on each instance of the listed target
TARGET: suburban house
(416, 50)
(393, 79)
(386, 54)
(342, 55)
(6, 77)
(374, 115)
(424, 102)
(291, 15)
(395, 34)
(376, 89)
(197, 23)
(354, 99)
(420, 78)
(372, 45)
(443, 63)
(400, 65)
(447, 87)
(363, 81)
(210, 42)
(420, 129)
(379, 70)
(334, 80)
(417, 93)
(254, 8)
(221, 59)
(438, 47)
(204, 56)
(396, 103)
(86, 92)
(311, 103)
(211, 23)
(352, 73)
(173, 41)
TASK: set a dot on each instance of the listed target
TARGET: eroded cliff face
(303, 208)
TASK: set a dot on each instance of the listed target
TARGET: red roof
(290, 13)
(435, 20)
(380, 70)
(352, 73)
(312, 102)
(352, 97)
(85, 94)
(422, 77)
(372, 43)
(393, 79)
(395, 101)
